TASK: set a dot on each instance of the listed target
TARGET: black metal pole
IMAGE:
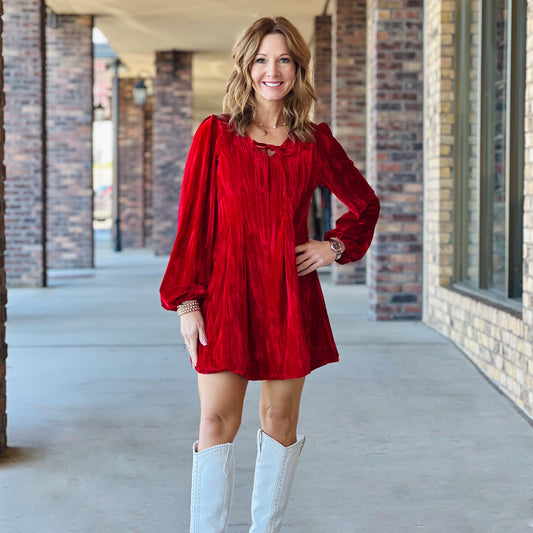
(116, 159)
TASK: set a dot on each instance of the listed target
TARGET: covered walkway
(403, 435)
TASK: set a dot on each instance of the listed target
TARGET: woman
(242, 273)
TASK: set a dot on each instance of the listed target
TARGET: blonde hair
(239, 101)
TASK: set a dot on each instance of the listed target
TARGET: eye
(285, 60)
(260, 60)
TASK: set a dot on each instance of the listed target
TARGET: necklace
(275, 126)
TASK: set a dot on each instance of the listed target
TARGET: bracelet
(188, 307)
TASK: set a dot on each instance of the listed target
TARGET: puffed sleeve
(336, 171)
(190, 263)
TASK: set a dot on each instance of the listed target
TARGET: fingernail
(204, 343)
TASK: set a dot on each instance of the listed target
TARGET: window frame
(514, 151)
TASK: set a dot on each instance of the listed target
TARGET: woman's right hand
(193, 330)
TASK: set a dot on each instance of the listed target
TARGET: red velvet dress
(241, 214)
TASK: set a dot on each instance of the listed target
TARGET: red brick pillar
(322, 69)
(25, 146)
(395, 157)
(349, 102)
(319, 219)
(3, 292)
(69, 125)
(171, 141)
(148, 170)
(131, 152)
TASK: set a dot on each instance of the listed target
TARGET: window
(489, 146)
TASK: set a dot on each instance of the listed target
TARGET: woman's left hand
(312, 255)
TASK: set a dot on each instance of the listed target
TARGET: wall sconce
(52, 19)
(140, 90)
(99, 113)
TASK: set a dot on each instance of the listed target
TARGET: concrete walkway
(404, 435)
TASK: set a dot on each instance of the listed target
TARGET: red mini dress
(243, 209)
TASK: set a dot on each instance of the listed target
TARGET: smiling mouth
(273, 83)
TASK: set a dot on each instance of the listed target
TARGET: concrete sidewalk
(403, 435)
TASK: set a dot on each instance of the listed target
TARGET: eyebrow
(284, 54)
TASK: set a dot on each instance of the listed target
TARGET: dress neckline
(269, 145)
(286, 147)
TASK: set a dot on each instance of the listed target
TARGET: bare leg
(278, 452)
(279, 409)
(221, 400)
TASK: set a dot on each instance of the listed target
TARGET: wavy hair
(239, 100)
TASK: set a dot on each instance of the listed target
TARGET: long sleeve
(338, 173)
(190, 264)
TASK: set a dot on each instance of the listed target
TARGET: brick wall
(395, 156)
(527, 296)
(131, 152)
(3, 292)
(148, 170)
(322, 69)
(69, 125)
(171, 141)
(498, 341)
(348, 100)
(438, 162)
(521, 380)
(25, 157)
(319, 218)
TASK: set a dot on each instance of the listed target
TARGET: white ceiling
(138, 28)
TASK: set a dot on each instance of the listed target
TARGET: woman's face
(273, 70)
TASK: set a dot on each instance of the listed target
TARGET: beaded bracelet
(188, 307)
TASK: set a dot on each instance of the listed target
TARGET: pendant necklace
(261, 125)
(265, 129)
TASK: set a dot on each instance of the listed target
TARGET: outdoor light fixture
(140, 92)
(99, 113)
(52, 19)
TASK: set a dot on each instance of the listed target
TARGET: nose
(272, 68)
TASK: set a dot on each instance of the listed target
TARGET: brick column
(148, 170)
(3, 292)
(25, 157)
(69, 124)
(349, 102)
(395, 156)
(171, 141)
(319, 219)
(322, 69)
(131, 152)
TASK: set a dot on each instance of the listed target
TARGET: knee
(217, 427)
(280, 423)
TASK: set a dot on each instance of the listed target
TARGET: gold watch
(336, 246)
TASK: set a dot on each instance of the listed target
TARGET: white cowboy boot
(213, 472)
(274, 473)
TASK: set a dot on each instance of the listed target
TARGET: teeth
(270, 84)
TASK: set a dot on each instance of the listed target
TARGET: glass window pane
(498, 106)
(490, 63)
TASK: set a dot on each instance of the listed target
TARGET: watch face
(336, 246)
